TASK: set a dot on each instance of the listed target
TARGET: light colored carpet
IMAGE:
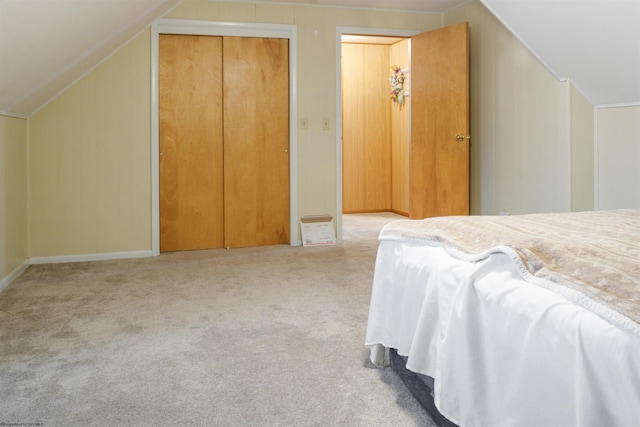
(257, 337)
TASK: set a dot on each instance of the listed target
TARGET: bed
(522, 320)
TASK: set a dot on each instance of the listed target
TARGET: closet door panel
(256, 141)
(190, 118)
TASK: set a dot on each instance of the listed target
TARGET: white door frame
(340, 31)
(215, 28)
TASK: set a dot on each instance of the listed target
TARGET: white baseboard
(12, 276)
(90, 257)
(70, 258)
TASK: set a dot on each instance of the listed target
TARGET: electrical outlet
(325, 124)
(304, 123)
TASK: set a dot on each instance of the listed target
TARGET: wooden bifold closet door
(224, 139)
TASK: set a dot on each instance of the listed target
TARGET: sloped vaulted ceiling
(595, 43)
(46, 45)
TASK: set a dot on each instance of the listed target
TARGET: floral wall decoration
(396, 80)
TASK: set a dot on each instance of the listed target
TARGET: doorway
(340, 32)
(375, 110)
(439, 121)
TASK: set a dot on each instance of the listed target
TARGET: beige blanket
(592, 258)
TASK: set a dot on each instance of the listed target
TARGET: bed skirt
(503, 352)
(421, 386)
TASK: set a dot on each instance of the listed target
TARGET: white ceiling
(595, 43)
(46, 45)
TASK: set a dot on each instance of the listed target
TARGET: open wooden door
(439, 153)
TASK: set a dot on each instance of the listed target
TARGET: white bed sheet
(502, 351)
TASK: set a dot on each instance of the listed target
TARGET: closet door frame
(215, 28)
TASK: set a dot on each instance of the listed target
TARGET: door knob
(461, 137)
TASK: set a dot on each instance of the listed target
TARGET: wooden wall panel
(399, 55)
(366, 133)
(366, 151)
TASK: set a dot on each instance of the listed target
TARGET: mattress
(513, 333)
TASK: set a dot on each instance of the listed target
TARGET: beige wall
(316, 39)
(520, 122)
(618, 158)
(582, 153)
(13, 197)
(90, 161)
(90, 168)
(90, 147)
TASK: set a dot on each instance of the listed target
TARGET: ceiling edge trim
(14, 115)
(620, 105)
(333, 6)
(456, 7)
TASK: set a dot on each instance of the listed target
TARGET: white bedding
(503, 352)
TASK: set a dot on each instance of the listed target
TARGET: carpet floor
(270, 336)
